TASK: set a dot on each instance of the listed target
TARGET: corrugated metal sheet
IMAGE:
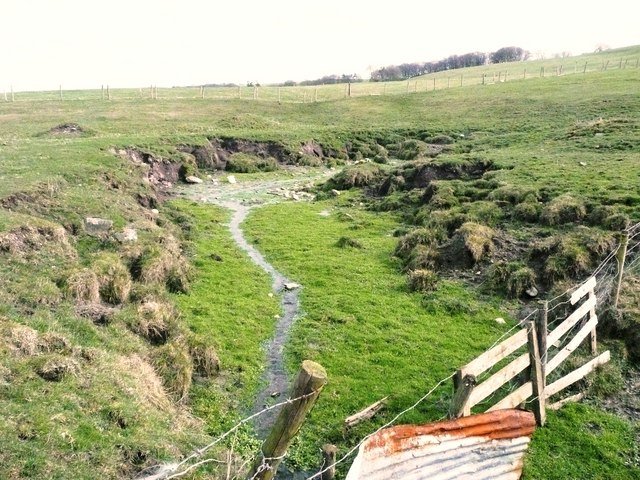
(486, 446)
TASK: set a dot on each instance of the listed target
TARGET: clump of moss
(514, 278)
(246, 163)
(563, 209)
(83, 285)
(360, 175)
(113, 277)
(422, 280)
(174, 364)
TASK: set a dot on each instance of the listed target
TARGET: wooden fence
(531, 369)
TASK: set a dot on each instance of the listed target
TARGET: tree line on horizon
(452, 62)
(408, 70)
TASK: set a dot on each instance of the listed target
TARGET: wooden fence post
(315, 95)
(434, 83)
(312, 377)
(537, 376)
(620, 256)
(60, 92)
(108, 93)
(328, 462)
(584, 70)
(6, 99)
(483, 75)
(13, 97)
(524, 75)
(349, 89)
(463, 387)
(102, 91)
(460, 79)
(541, 329)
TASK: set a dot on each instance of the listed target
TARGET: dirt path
(240, 198)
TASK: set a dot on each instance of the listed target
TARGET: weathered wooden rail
(531, 368)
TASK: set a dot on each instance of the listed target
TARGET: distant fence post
(434, 83)
(328, 462)
(349, 89)
(460, 79)
(108, 93)
(315, 95)
(584, 70)
(13, 97)
(6, 99)
(311, 379)
(102, 91)
(537, 375)
(463, 386)
(542, 72)
(483, 75)
(60, 92)
(279, 95)
(239, 92)
(620, 256)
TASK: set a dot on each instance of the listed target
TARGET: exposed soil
(161, 173)
(214, 155)
(68, 130)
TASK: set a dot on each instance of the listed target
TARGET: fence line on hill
(492, 74)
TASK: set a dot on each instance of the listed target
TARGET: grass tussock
(359, 175)
(164, 264)
(513, 278)
(83, 286)
(113, 277)
(477, 240)
(564, 209)
(56, 367)
(23, 340)
(422, 280)
(348, 242)
(206, 362)
(174, 364)
(247, 163)
(156, 321)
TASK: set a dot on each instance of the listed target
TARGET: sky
(136, 43)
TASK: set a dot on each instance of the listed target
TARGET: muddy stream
(240, 198)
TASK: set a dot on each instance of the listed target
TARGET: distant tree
(408, 70)
(509, 54)
(601, 47)
(289, 83)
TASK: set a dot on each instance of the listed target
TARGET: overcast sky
(83, 44)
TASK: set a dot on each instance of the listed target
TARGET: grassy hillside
(117, 354)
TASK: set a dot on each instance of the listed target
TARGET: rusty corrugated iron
(486, 446)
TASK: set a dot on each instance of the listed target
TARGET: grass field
(116, 355)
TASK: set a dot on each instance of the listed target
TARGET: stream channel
(240, 198)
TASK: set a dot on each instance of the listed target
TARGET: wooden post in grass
(407, 86)
(13, 97)
(434, 83)
(483, 75)
(606, 65)
(202, 92)
(541, 330)
(536, 375)
(620, 66)
(60, 92)
(460, 79)
(349, 89)
(239, 92)
(312, 377)
(328, 461)
(620, 256)
(584, 70)
(108, 93)
(6, 99)
(542, 72)
(102, 91)
(315, 94)
(524, 74)
(463, 387)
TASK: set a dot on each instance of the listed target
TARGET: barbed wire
(389, 423)
(172, 471)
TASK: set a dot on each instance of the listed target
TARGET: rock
(532, 292)
(599, 134)
(500, 320)
(583, 164)
(335, 193)
(324, 213)
(209, 177)
(127, 235)
(275, 394)
(270, 294)
(291, 286)
(193, 179)
(231, 179)
(97, 226)
(155, 211)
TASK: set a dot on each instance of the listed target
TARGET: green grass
(582, 442)
(373, 336)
